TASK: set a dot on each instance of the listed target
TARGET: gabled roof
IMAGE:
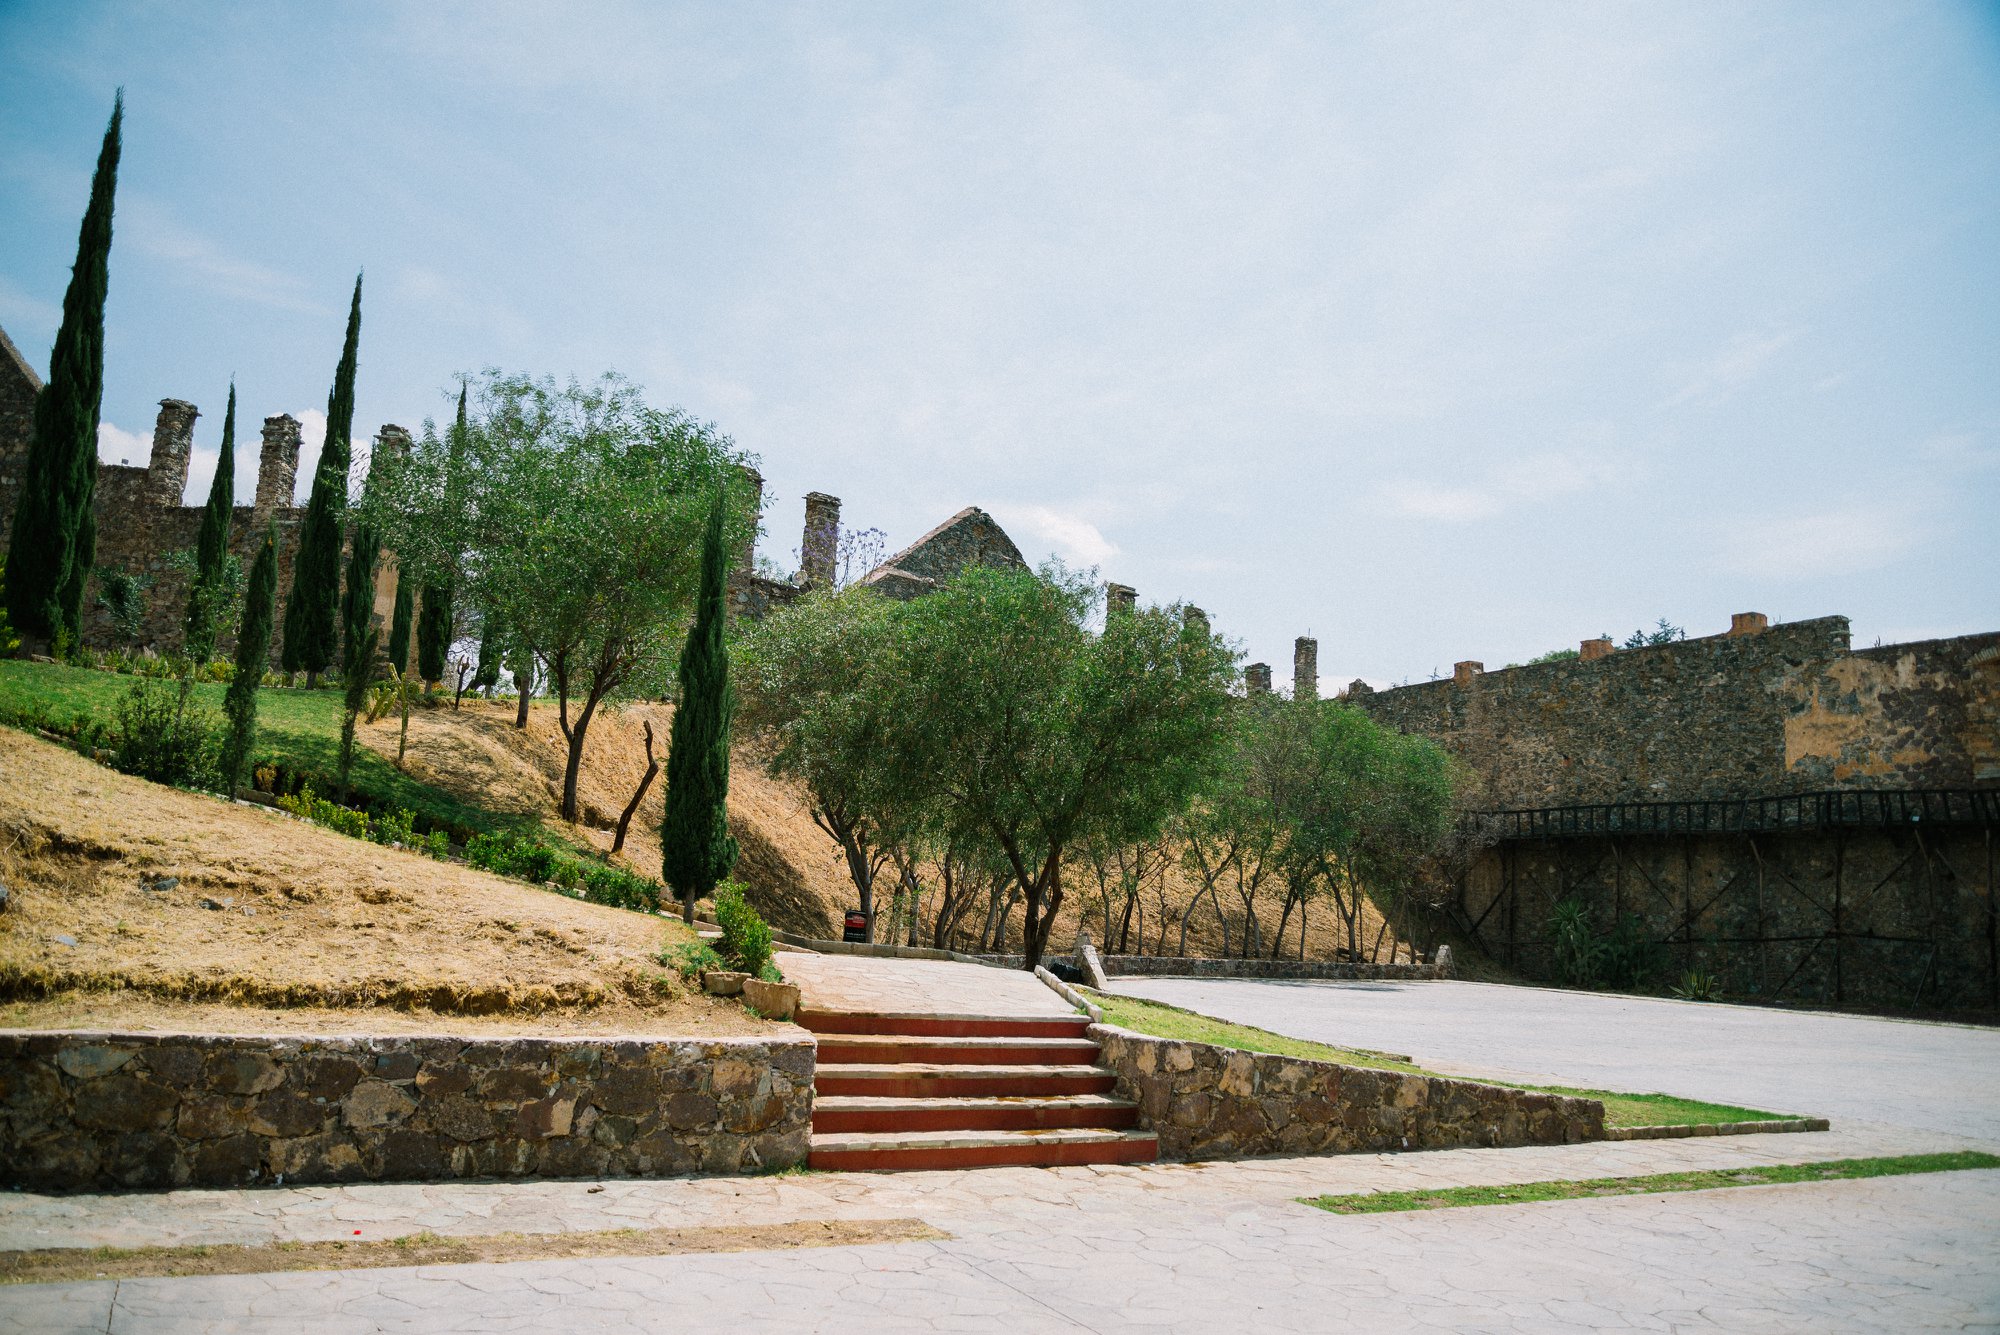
(970, 537)
(12, 360)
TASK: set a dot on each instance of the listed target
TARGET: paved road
(1221, 1247)
(1905, 1074)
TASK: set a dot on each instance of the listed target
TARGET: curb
(1715, 1129)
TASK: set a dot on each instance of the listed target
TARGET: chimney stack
(1257, 679)
(173, 440)
(1591, 649)
(746, 558)
(1119, 599)
(1195, 619)
(1463, 673)
(821, 543)
(277, 465)
(1749, 623)
(1305, 668)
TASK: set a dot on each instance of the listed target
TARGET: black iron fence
(1885, 808)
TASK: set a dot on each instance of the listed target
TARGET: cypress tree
(399, 625)
(212, 546)
(434, 614)
(253, 650)
(53, 543)
(358, 641)
(697, 848)
(311, 635)
(491, 634)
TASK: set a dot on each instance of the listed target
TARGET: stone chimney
(746, 558)
(1305, 668)
(277, 465)
(821, 542)
(1749, 623)
(1195, 619)
(1119, 599)
(1463, 673)
(1591, 649)
(173, 439)
(1257, 679)
(390, 442)
(1359, 687)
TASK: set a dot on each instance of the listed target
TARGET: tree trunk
(574, 734)
(638, 796)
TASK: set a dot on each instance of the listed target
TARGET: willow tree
(53, 542)
(312, 631)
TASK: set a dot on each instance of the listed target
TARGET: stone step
(926, 1080)
(849, 1112)
(912, 1150)
(980, 1050)
(942, 1026)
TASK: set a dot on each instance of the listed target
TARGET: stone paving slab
(918, 987)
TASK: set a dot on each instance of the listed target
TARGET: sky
(1434, 331)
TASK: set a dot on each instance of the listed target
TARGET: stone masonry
(97, 1111)
(1206, 1102)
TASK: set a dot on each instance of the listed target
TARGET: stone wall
(95, 1111)
(1175, 966)
(1206, 1102)
(19, 384)
(1757, 712)
(968, 538)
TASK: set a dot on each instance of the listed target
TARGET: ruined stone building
(1800, 820)
(142, 521)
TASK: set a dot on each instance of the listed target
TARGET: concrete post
(277, 465)
(173, 441)
(821, 543)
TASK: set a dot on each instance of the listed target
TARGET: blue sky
(1435, 331)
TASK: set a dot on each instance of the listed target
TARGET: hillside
(794, 870)
(274, 918)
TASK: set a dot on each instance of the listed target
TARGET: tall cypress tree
(358, 641)
(253, 651)
(697, 849)
(434, 612)
(311, 633)
(399, 624)
(212, 546)
(53, 543)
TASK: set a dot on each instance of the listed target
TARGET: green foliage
(690, 959)
(697, 849)
(1663, 632)
(311, 633)
(746, 940)
(52, 544)
(1554, 656)
(434, 619)
(529, 859)
(253, 650)
(208, 591)
(1696, 986)
(165, 735)
(435, 615)
(492, 635)
(399, 624)
(122, 595)
(1632, 960)
(9, 641)
(308, 805)
(1579, 955)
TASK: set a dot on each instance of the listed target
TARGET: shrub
(1631, 960)
(1578, 953)
(163, 735)
(396, 827)
(1696, 986)
(745, 938)
(690, 958)
(307, 805)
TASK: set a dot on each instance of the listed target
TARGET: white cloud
(1071, 536)
(1739, 361)
(1843, 541)
(116, 445)
(151, 230)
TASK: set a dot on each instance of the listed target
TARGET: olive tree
(1003, 717)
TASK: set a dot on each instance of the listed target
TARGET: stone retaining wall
(1206, 1102)
(1182, 966)
(94, 1111)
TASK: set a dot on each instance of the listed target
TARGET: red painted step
(980, 1050)
(910, 1080)
(908, 1151)
(842, 1113)
(942, 1026)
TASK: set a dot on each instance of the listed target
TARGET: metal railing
(1884, 808)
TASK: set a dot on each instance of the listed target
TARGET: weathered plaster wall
(1788, 709)
(94, 1111)
(1207, 1102)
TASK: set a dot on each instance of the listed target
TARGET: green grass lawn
(1521, 1193)
(1620, 1109)
(296, 729)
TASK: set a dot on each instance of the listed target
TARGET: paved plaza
(1215, 1247)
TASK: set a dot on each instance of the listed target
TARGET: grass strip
(1163, 1021)
(1621, 1109)
(1523, 1193)
(63, 1265)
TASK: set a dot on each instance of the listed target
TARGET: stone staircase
(963, 1091)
